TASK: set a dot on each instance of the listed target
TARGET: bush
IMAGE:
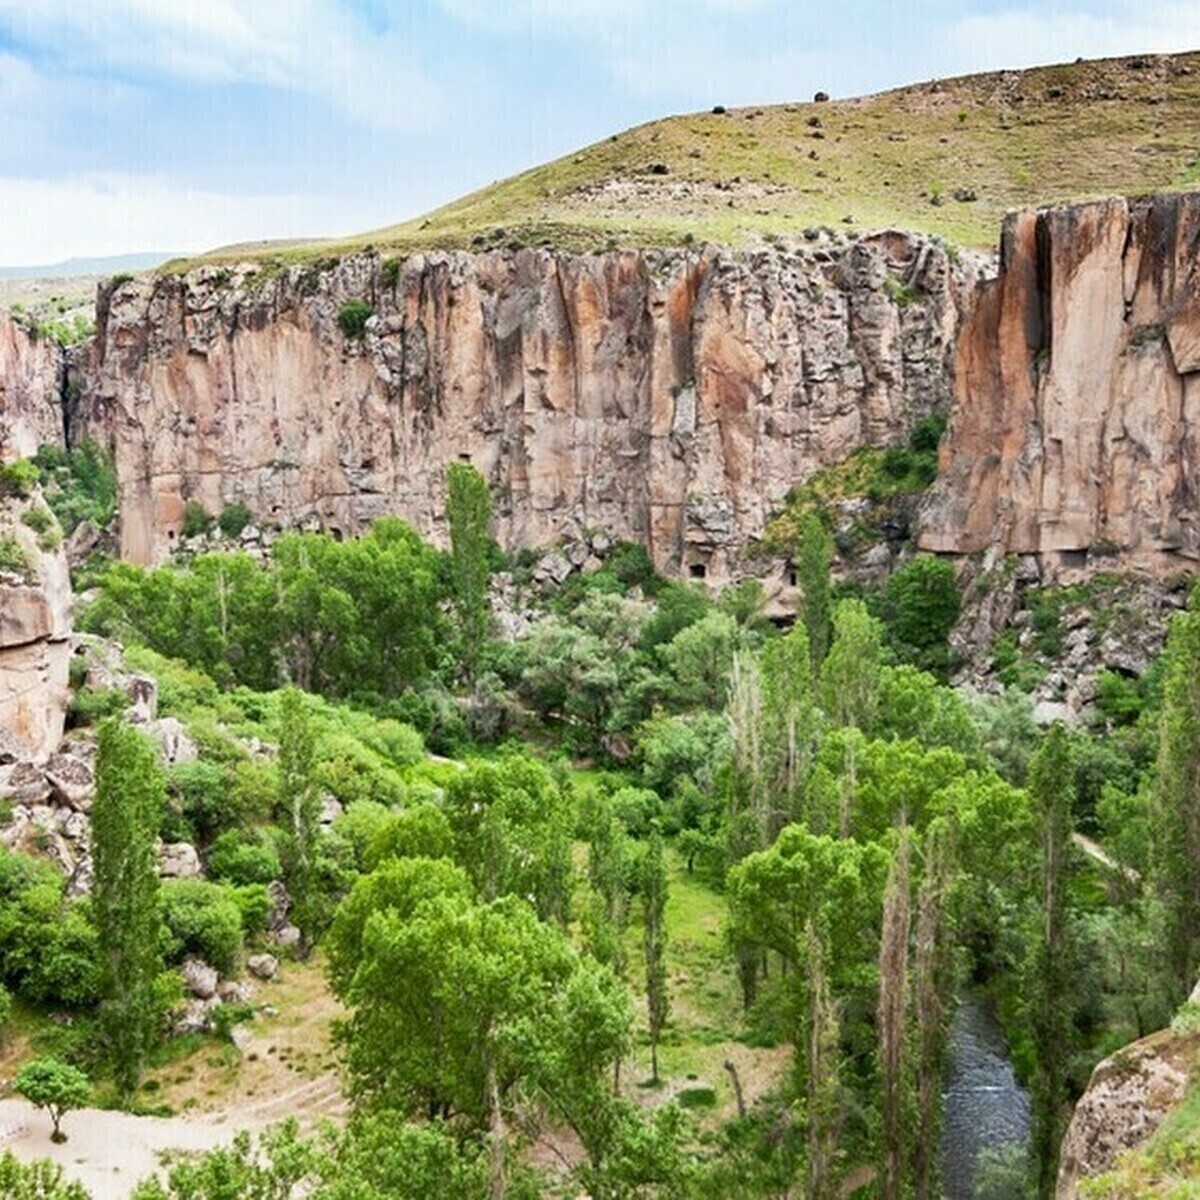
(38, 519)
(204, 798)
(197, 520)
(18, 479)
(919, 607)
(79, 485)
(202, 919)
(241, 857)
(353, 317)
(233, 519)
(254, 903)
(12, 557)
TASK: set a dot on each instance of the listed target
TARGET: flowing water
(985, 1108)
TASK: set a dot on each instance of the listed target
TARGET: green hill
(947, 157)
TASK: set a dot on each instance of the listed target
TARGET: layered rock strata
(669, 398)
(1075, 433)
(31, 373)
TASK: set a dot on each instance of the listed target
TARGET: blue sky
(184, 124)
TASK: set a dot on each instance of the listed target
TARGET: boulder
(286, 935)
(199, 978)
(263, 966)
(179, 860)
(171, 734)
(71, 780)
(195, 1016)
(235, 991)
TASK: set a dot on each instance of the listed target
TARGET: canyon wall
(35, 590)
(31, 371)
(672, 398)
(1075, 431)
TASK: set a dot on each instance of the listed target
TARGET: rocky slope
(672, 398)
(1074, 435)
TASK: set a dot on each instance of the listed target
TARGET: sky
(181, 125)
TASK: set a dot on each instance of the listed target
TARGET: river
(985, 1106)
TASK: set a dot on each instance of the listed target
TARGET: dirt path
(108, 1152)
(1097, 853)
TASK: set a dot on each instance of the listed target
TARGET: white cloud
(46, 221)
(309, 46)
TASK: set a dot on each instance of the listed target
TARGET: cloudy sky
(130, 125)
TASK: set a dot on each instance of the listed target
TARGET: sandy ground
(108, 1152)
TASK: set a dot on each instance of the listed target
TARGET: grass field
(946, 157)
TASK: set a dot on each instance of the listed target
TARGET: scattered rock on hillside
(179, 860)
(199, 978)
(263, 966)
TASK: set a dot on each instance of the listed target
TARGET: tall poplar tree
(815, 553)
(1176, 815)
(299, 809)
(469, 516)
(1051, 784)
(126, 906)
(891, 1014)
(658, 1001)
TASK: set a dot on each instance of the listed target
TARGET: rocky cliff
(671, 398)
(1075, 433)
(35, 590)
(31, 373)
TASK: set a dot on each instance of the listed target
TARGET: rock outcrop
(672, 397)
(35, 617)
(31, 375)
(1076, 422)
(1127, 1099)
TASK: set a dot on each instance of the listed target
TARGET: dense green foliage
(130, 796)
(79, 484)
(469, 514)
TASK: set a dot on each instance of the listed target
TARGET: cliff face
(1074, 432)
(30, 376)
(35, 589)
(670, 398)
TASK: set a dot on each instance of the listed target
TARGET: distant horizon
(139, 123)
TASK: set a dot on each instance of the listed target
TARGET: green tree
(654, 892)
(891, 1015)
(1175, 823)
(469, 515)
(1051, 784)
(815, 553)
(55, 1086)
(299, 808)
(130, 796)
(850, 674)
(37, 1180)
(919, 606)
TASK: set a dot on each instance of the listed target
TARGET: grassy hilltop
(947, 157)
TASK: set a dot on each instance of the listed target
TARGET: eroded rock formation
(1075, 433)
(35, 590)
(31, 371)
(671, 398)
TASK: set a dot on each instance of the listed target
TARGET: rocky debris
(1126, 1100)
(281, 905)
(331, 809)
(72, 781)
(235, 991)
(196, 1016)
(534, 366)
(179, 860)
(286, 935)
(263, 966)
(199, 978)
(103, 669)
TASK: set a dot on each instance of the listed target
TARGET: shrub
(91, 705)
(391, 271)
(242, 858)
(919, 607)
(233, 519)
(197, 520)
(353, 317)
(12, 557)
(202, 919)
(254, 903)
(204, 797)
(38, 519)
(18, 479)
